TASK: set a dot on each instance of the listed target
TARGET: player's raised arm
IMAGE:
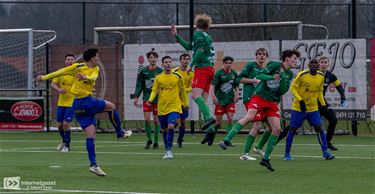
(179, 39)
(64, 71)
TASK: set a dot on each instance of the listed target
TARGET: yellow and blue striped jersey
(308, 88)
(80, 88)
(65, 82)
(171, 93)
(187, 79)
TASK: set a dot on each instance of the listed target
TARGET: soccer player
(172, 97)
(248, 78)
(224, 92)
(327, 111)
(202, 63)
(85, 106)
(187, 78)
(275, 79)
(65, 113)
(307, 90)
(144, 84)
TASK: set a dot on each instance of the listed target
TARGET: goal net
(22, 57)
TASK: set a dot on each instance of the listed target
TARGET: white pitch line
(178, 154)
(69, 191)
(187, 143)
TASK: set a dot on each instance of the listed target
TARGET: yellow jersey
(187, 79)
(308, 88)
(171, 91)
(65, 82)
(80, 88)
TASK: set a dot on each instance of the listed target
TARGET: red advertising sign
(21, 114)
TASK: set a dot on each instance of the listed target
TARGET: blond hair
(323, 57)
(203, 21)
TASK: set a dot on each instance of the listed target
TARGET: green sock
(270, 145)
(233, 132)
(156, 134)
(229, 127)
(148, 131)
(203, 108)
(248, 143)
(264, 139)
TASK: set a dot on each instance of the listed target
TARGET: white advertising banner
(135, 55)
(348, 63)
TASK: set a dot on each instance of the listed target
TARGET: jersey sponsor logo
(273, 84)
(149, 83)
(26, 110)
(227, 87)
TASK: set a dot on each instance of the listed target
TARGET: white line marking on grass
(177, 154)
(69, 191)
(187, 143)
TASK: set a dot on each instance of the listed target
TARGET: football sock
(283, 133)
(203, 108)
(90, 146)
(67, 138)
(236, 128)
(322, 141)
(148, 130)
(289, 141)
(229, 127)
(170, 138)
(248, 143)
(263, 140)
(181, 133)
(165, 139)
(156, 134)
(270, 145)
(62, 132)
(116, 122)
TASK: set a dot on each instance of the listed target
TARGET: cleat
(208, 123)
(148, 144)
(65, 149)
(259, 151)
(288, 157)
(223, 144)
(60, 146)
(331, 147)
(267, 164)
(247, 157)
(205, 139)
(328, 156)
(230, 144)
(211, 139)
(126, 134)
(97, 171)
(168, 155)
(155, 146)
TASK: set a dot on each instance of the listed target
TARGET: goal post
(22, 56)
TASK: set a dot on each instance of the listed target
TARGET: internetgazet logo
(12, 183)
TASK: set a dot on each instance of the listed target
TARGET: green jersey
(202, 40)
(225, 85)
(145, 81)
(272, 90)
(250, 71)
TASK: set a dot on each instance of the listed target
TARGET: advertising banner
(21, 114)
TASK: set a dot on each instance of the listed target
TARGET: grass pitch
(196, 168)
